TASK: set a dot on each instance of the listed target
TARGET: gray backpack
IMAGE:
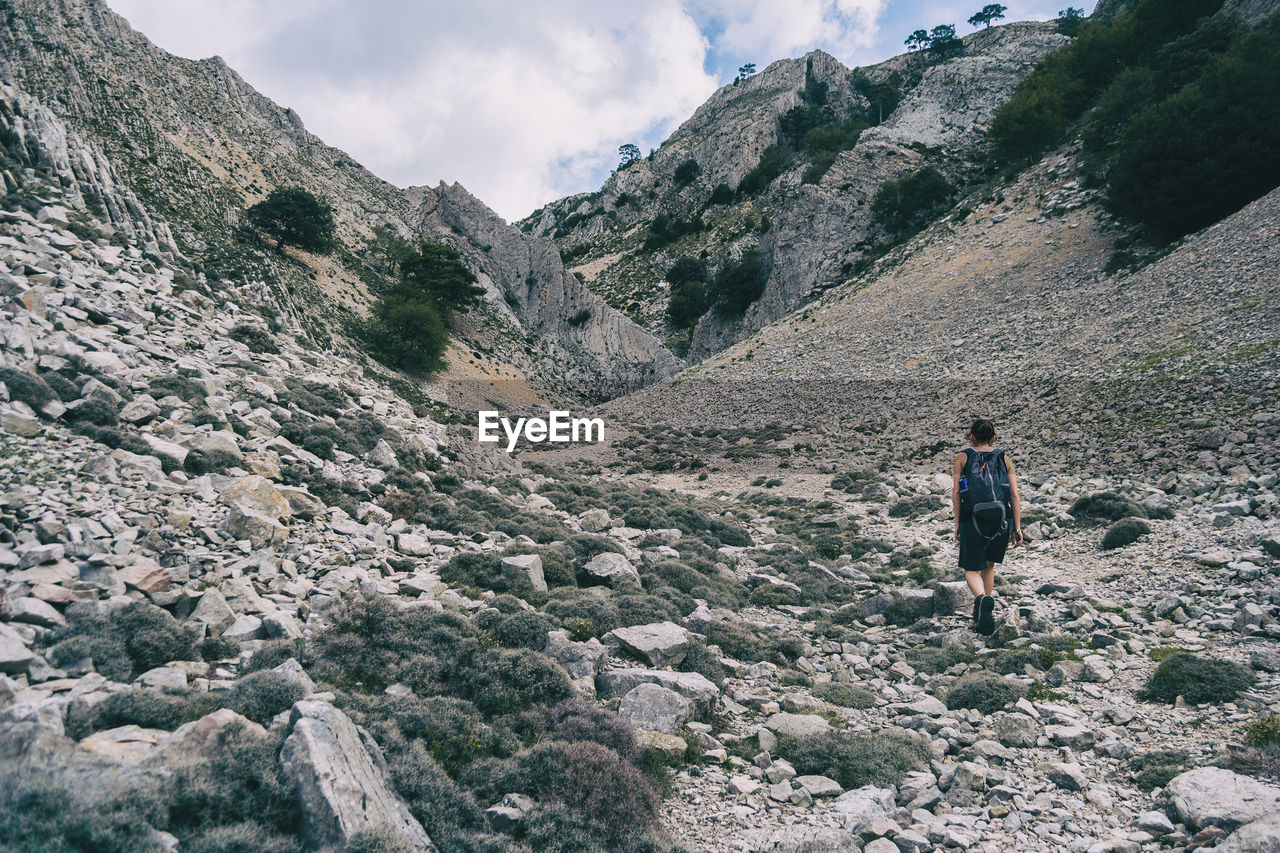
(985, 492)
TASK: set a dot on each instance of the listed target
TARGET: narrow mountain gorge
(260, 591)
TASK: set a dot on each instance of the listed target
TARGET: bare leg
(978, 581)
(988, 579)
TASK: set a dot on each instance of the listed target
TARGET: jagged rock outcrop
(170, 152)
(596, 347)
(818, 228)
(343, 783)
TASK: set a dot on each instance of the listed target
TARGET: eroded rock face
(597, 348)
(343, 782)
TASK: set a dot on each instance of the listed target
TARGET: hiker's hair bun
(983, 430)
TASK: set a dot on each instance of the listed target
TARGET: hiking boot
(986, 621)
(976, 601)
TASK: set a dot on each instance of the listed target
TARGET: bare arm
(1017, 502)
(957, 469)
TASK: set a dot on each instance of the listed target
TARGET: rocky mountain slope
(259, 593)
(811, 230)
(135, 134)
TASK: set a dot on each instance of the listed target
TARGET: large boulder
(612, 569)
(343, 783)
(261, 531)
(655, 708)
(693, 686)
(658, 644)
(257, 494)
(864, 806)
(1214, 796)
(529, 565)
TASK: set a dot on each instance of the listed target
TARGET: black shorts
(976, 552)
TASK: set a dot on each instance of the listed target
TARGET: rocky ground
(148, 458)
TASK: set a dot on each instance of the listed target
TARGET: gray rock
(1259, 836)
(213, 611)
(35, 612)
(1018, 730)
(691, 685)
(862, 806)
(1214, 796)
(508, 814)
(804, 839)
(580, 660)
(655, 708)
(594, 520)
(613, 569)
(15, 657)
(245, 627)
(531, 566)
(293, 671)
(818, 786)
(281, 625)
(1155, 822)
(383, 456)
(343, 783)
(260, 530)
(796, 725)
(1068, 776)
(658, 644)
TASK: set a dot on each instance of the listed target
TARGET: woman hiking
(984, 498)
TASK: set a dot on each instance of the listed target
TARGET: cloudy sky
(522, 102)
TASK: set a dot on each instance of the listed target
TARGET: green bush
(933, 660)
(1154, 769)
(584, 615)
(1196, 679)
(845, 695)
(294, 217)
(256, 339)
(449, 814)
(575, 720)
(178, 385)
(371, 643)
(773, 162)
(238, 781)
(700, 660)
(738, 284)
(751, 644)
(597, 784)
(906, 205)
(1107, 506)
(687, 172)
(1263, 732)
(1208, 149)
(27, 388)
(486, 571)
(856, 758)
(772, 595)
(247, 837)
(451, 730)
(985, 691)
(95, 411)
(1124, 532)
(908, 611)
(640, 609)
(523, 631)
(124, 642)
(272, 653)
(506, 681)
(39, 813)
(263, 694)
(150, 709)
(688, 300)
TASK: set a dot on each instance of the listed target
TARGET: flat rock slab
(658, 644)
(796, 725)
(613, 569)
(1214, 796)
(342, 784)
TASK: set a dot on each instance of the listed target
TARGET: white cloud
(520, 102)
